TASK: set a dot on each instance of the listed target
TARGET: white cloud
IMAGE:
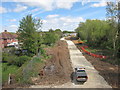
(3, 10)
(31, 11)
(52, 16)
(11, 28)
(12, 20)
(67, 4)
(20, 8)
(101, 4)
(48, 5)
(44, 21)
(63, 23)
(71, 19)
(38, 13)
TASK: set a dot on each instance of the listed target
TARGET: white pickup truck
(80, 74)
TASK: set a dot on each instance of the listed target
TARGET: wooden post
(9, 79)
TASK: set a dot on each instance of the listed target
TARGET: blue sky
(65, 15)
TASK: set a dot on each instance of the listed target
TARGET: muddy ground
(108, 71)
(58, 68)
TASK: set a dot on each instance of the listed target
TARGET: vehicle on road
(80, 74)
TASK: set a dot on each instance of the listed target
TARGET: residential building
(7, 38)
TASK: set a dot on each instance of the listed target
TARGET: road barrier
(92, 54)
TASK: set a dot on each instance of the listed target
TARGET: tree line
(103, 33)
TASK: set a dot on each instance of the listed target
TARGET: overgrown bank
(55, 65)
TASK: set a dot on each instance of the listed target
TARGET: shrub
(21, 60)
(18, 61)
(11, 60)
(42, 51)
(5, 57)
(50, 38)
(28, 70)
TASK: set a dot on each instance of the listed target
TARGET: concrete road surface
(78, 60)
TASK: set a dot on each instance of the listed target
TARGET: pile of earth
(57, 69)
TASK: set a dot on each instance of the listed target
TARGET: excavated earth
(57, 69)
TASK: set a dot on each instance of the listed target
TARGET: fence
(92, 54)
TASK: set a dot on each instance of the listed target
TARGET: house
(7, 38)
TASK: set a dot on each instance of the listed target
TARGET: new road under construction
(59, 69)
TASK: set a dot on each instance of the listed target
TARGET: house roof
(8, 35)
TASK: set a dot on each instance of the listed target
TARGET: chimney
(5, 30)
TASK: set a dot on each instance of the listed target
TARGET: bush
(28, 70)
(14, 60)
(11, 60)
(50, 38)
(42, 51)
(21, 60)
(5, 57)
(37, 60)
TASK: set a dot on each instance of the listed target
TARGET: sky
(55, 14)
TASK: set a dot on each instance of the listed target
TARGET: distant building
(70, 34)
(73, 34)
(7, 38)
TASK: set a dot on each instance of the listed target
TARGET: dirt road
(77, 59)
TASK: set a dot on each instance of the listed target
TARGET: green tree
(59, 32)
(28, 33)
(112, 17)
(94, 31)
(50, 38)
(51, 30)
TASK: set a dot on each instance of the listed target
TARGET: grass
(0, 73)
(6, 70)
(91, 50)
(100, 51)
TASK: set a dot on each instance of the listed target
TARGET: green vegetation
(28, 34)
(68, 32)
(100, 34)
(21, 62)
(113, 18)
(50, 38)
(0, 73)
(94, 31)
(6, 70)
(15, 60)
(28, 70)
(32, 38)
(11, 64)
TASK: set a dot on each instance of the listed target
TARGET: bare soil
(57, 69)
(108, 71)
